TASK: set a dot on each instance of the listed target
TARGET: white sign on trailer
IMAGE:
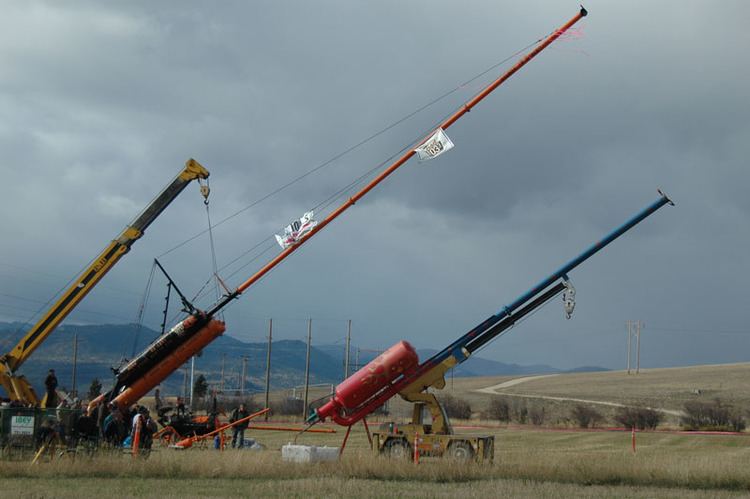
(22, 425)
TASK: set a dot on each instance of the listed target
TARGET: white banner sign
(22, 425)
(295, 230)
(434, 146)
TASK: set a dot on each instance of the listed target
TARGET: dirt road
(498, 390)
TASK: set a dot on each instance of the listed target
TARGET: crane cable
(141, 311)
(340, 193)
(350, 149)
(343, 192)
(322, 205)
(205, 191)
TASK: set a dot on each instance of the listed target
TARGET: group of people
(119, 427)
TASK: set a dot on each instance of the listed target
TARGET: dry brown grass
(331, 487)
(527, 463)
(664, 388)
(658, 388)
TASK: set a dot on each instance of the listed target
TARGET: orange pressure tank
(197, 342)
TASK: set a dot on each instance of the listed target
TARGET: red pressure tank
(369, 380)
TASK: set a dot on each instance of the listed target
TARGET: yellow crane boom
(17, 387)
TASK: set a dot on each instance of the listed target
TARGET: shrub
(537, 415)
(200, 387)
(737, 421)
(95, 389)
(641, 418)
(499, 409)
(456, 407)
(520, 411)
(712, 416)
(585, 416)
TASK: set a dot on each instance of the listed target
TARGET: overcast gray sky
(102, 103)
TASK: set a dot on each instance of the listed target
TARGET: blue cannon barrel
(455, 348)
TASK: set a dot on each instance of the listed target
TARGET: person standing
(181, 411)
(157, 401)
(148, 428)
(113, 428)
(50, 383)
(136, 429)
(238, 430)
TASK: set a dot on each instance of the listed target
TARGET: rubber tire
(461, 451)
(397, 448)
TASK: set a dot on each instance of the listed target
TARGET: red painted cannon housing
(400, 359)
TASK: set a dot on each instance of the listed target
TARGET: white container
(308, 453)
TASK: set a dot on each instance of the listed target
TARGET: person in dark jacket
(238, 430)
(50, 383)
(114, 429)
(157, 401)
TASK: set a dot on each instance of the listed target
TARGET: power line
(700, 331)
(57, 277)
(352, 185)
(75, 313)
(355, 146)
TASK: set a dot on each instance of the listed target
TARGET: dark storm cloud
(103, 102)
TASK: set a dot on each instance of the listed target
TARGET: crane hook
(569, 298)
(205, 190)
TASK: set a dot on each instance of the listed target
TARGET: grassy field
(528, 463)
(329, 487)
(657, 388)
(667, 389)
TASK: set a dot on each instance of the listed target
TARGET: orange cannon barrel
(160, 349)
(197, 342)
(95, 403)
(360, 386)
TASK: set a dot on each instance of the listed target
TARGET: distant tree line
(712, 416)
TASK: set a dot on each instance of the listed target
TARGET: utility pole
(268, 365)
(192, 380)
(630, 328)
(638, 326)
(223, 362)
(184, 385)
(634, 329)
(348, 346)
(75, 365)
(244, 373)
(307, 368)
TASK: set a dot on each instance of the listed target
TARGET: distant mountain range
(474, 366)
(101, 347)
